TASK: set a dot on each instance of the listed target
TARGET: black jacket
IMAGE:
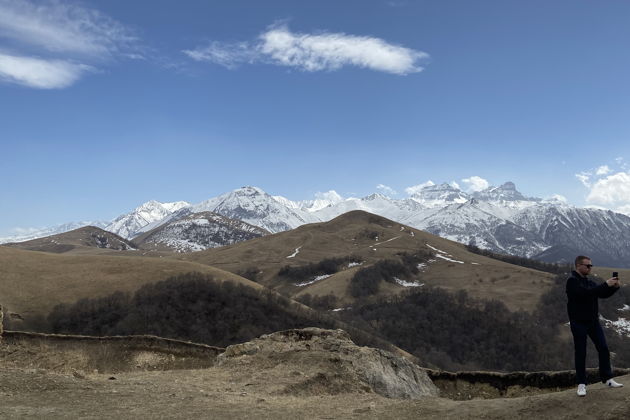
(583, 295)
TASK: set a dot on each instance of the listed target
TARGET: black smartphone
(615, 274)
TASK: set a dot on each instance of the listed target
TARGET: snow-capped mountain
(500, 219)
(601, 234)
(504, 193)
(198, 231)
(481, 224)
(440, 195)
(254, 206)
(128, 225)
(55, 230)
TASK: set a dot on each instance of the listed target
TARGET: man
(583, 311)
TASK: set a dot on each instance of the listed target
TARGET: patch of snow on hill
(315, 279)
(407, 283)
(444, 257)
(389, 240)
(297, 251)
(621, 326)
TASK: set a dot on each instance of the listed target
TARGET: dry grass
(481, 277)
(32, 283)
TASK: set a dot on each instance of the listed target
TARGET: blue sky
(106, 105)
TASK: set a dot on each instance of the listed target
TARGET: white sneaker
(611, 383)
(581, 390)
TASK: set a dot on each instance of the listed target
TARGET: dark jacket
(583, 295)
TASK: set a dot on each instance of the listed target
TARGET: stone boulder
(314, 361)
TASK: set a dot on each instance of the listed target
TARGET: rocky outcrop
(1, 321)
(319, 361)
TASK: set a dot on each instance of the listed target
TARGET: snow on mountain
(198, 231)
(498, 218)
(322, 201)
(504, 193)
(470, 222)
(601, 234)
(128, 225)
(440, 195)
(254, 206)
(49, 231)
(374, 203)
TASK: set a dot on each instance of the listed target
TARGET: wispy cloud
(584, 178)
(42, 74)
(51, 44)
(314, 52)
(63, 27)
(386, 190)
(603, 170)
(557, 197)
(417, 188)
(227, 55)
(476, 183)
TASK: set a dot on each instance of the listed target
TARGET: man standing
(583, 311)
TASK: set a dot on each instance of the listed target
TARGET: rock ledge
(327, 361)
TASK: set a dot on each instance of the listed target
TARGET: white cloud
(455, 185)
(625, 209)
(584, 178)
(62, 27)
(329, 196)
(603, 170)
(417, 188)
(227, 55)
(558, 197)
(386, 190)
(45, 42)
(38, 73)
(331, 51)
(612, 190)
(314, 52)
(476, 183)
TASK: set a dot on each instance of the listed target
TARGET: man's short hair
(580, 258)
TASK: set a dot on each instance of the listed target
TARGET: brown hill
(32, 283)
(372, 238)
(85, 239)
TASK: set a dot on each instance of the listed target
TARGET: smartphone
(615, 274)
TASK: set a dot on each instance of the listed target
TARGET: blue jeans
(593, 329)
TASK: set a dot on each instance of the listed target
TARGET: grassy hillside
(372, 238)
(32, 283)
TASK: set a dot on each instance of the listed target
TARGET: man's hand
(613, 282)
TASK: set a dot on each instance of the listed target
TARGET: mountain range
(499, 219)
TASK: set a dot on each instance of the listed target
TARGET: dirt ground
(217, 393)
(38, 380)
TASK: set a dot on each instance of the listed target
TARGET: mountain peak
(249, 190)
(440, 195)
(506, 192)
(508, 186)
